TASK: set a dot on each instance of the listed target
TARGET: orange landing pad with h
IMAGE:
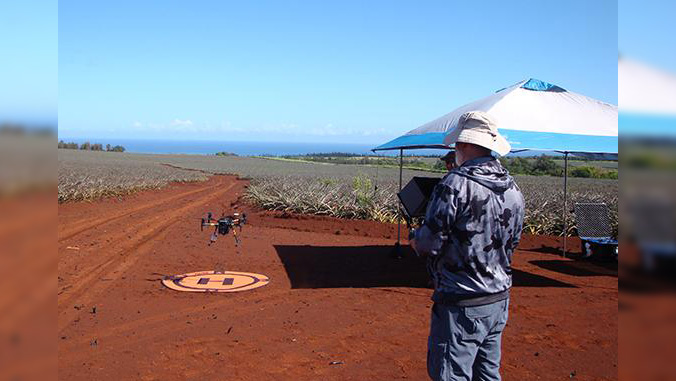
(215, 281)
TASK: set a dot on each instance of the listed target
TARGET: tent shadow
(352, 266)
(578, 268)
(370, 266)
(557, 251)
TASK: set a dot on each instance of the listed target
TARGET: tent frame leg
(565, 202)
(396, 251)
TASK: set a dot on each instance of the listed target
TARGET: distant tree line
(328, 154)
(538, 166)
(348, 154)
(87, 146)
(546, 166)
(224, 153)
(531, 165)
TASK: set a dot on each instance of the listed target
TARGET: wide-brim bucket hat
(477, 127)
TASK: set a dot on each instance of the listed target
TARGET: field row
(341, 190)
(89, 175)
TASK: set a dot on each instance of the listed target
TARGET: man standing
(472, 227)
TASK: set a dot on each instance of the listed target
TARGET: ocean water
(239, 148)
(205, 147)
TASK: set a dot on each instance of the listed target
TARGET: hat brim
(497, 144)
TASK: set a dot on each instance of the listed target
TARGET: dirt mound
(337, 306)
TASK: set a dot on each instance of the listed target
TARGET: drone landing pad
(215, 281)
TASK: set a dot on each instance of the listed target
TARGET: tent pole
(565, 202)
(397, 246)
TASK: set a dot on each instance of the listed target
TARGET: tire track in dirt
(154, 226)
(86, 287)
(88, 224)
(123, 240)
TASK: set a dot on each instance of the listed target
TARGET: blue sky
(301, 71)
(646, 32)
(646, 35)
(28, 62)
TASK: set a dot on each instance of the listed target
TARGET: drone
(224, 225)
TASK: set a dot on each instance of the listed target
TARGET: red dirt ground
(334, 295)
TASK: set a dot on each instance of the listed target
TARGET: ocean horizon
(247, 148)
(242, 148)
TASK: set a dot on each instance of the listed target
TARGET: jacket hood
(488, 172)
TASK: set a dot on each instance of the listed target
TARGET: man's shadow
(370, 266)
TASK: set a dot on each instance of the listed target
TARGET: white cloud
(181, 122)
(374, 132)
(356, 133)
(284, 130)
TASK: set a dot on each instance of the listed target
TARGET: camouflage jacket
(472, 226)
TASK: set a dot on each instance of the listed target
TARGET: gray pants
(464, 342)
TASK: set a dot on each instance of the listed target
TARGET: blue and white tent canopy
(532, 115)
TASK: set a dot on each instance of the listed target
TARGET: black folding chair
(595, 231)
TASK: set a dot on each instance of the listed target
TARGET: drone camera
(224, 225)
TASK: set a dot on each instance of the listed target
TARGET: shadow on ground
(370, 266)
(548, 250)
(579, 267)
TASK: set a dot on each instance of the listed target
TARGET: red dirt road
(334, 296)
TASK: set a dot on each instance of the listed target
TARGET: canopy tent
(531, 115)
